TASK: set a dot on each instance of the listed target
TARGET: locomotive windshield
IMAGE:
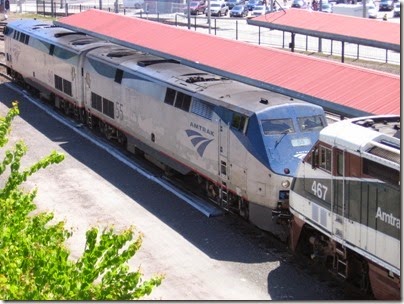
(288, 134)
(277, 126)
(311, 123)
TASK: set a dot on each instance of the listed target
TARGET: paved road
(216, 258)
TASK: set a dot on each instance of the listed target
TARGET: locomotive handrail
(379, 159)
(385, 147)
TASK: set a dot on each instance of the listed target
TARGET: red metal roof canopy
(338, 87)
(363, 31)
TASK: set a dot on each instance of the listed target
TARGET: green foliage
(34, 262)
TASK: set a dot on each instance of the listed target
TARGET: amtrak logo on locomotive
(197, 139)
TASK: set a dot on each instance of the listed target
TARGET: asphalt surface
(202, 258)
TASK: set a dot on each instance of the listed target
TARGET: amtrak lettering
(388, 218)
(202, 128)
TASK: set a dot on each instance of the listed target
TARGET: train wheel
(303, 245)
(212, 192)
(27, 87)
(243, 208)
(90, 121)
(108, 132)
(138, 152)
(65, 107)
(199, 179)
(359, 273)
(52, 99)
(121, 139)
(101, 126)
(82, 116)
(76, 112)
(104, 129)
(168, 171)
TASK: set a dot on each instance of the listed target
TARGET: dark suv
(386, 5)
(233, 3)
(252, 3)
(299, 4)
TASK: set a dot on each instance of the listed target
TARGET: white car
(259, 10)
(326, 7)
(372, 11)
(397, 9)
(217, 9)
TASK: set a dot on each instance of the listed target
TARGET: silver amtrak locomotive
(346, 203)
(241, 144)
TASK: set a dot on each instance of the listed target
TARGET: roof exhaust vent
(264, 101)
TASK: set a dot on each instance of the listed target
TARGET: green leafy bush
(34, 261)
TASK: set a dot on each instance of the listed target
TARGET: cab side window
(178, 99)
(170, 96)
(339, 157)
(325, 158)
(238, 122)
(183, 101)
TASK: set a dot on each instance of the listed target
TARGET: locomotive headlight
(285, 184)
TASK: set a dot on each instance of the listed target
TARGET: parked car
(239, 10)
(260, 10)
(252, 3)
(326, 8)
(386, 5)
(233, 3)
(217, 9)
(216, 1)
(299, 4)
(196, 7)
(372, 11)
(397, 9)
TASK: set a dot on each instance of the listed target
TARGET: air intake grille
(386, 154)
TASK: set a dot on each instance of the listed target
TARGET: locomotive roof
(117, 55)
(218, 90)
(60, 36)
(376, 137)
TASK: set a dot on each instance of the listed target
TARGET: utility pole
(189, 13)
(209, 19)
(320, 42)
(364, 8)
